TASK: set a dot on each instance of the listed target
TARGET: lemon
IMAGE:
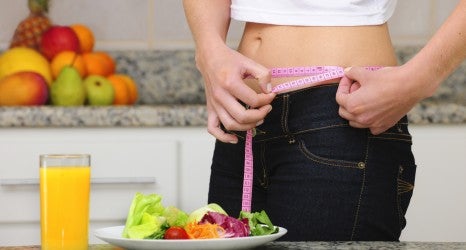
(24, 59)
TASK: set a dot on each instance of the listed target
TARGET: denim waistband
(301, 111)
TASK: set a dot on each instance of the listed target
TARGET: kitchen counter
(172, 94)
(318, 245)
(177, 115)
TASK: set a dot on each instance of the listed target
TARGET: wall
(160, 24)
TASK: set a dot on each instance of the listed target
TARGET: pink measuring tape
(313, 76)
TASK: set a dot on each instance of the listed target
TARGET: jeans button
(361, 165)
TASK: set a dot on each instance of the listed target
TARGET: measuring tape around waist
(312, 76)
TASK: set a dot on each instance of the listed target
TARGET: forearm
(223, 69)
(443, 53)
(208, 20)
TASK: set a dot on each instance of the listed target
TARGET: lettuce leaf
(144, 217)
(175, 216)
(148, 229)
(197, 214)
(259, 223)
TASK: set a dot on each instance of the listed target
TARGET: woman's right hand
(224, 71)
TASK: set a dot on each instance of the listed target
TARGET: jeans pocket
(338, 146)
(392, 154)
(405, 187)
(396, 142)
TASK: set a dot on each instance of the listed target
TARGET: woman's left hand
(376, 99)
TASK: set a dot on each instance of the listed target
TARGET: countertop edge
(176, 115)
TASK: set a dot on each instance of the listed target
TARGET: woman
(332, 161)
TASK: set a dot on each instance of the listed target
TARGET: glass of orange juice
(64, 201)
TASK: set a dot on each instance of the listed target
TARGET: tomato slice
(175, 233)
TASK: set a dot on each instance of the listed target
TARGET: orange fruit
(99, 63)
(66, 58)
(85, 36)
(125, 89)
(110, 64)
(133, 88)
(121, 88)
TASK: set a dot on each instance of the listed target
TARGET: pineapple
(29, 31)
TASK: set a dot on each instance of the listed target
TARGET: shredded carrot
(204, 231)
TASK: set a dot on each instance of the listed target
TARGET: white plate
(112, 235)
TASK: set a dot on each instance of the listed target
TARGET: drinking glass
(64, 201)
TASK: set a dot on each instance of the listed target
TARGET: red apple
(57, 39)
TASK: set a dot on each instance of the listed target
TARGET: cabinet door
(123, 162)
(436, 211)
(196, 157)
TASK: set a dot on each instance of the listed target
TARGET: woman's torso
(288, 46)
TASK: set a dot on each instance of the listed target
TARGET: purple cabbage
(233, 227)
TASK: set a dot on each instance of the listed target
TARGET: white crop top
(314, 12)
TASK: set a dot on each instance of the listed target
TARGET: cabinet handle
(108, 180)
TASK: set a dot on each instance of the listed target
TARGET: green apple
(99, 90)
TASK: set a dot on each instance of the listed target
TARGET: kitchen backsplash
(161, 25)
(170, 76)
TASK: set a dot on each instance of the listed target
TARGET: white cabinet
(438, 205)
(173, 162)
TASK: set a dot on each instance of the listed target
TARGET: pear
(68, 88)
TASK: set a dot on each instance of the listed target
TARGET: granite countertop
(318, 245)
(172, 94)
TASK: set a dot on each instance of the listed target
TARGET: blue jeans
(318, 177)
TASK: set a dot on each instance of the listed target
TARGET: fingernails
(233, 142)
(348, 69)
(259, 123)
(269, 87)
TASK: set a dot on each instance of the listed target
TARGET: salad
(148, 218)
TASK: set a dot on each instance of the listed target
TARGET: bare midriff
(293, 46)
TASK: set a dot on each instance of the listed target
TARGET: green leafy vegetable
(149, 219)
(145, 218)
(259, 223)
(175, 217)
(150, 228)
(197, 214)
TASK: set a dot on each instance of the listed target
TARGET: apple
(57, 39)
(99, 90)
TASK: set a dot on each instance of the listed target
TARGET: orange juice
(64, 212)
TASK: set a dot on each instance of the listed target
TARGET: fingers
(237, 117)
(347, 96)
(345, 114)
(229, 96)
(247, 95)
(232, 114)
(357, 74)
(261, 73)
(343, 91)
(355, 86)
(213, 127)
(230, 103)
(354, 122)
